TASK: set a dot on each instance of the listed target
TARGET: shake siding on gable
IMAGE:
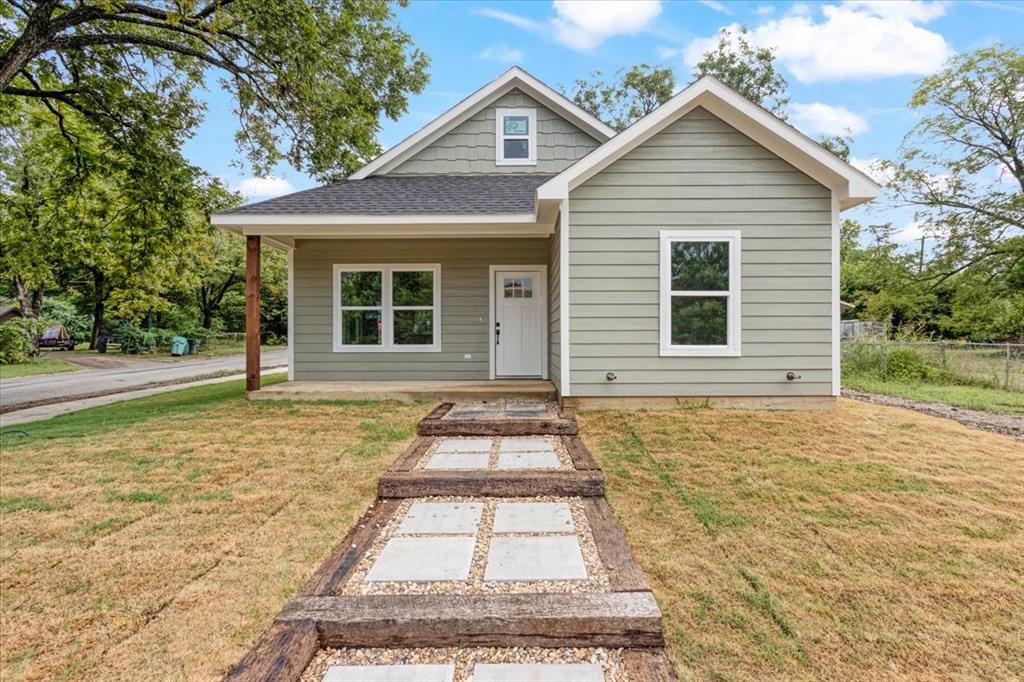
(702, 174)
(464, 305)
(469, 148)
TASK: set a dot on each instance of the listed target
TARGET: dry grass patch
(864, 543)
(156, 539)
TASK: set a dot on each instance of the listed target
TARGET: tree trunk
(30, 301)
(207, 317)
(98, 308)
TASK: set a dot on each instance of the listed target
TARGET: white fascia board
(766, 129)
(513, 78)
(253, 219)
(498, 230)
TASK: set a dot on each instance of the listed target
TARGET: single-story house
(517, 237)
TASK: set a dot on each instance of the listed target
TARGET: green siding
(700, 173)
(555, 308)
(469, 147)
(464, 305)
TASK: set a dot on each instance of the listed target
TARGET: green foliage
(838, 144)
(310, 78)
(16, 344)
(633, 94)
(748, 70)
(60, 310)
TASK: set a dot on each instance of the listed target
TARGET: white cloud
(873, 168)
(914, 231)
(716, 5)
(823, 119)
(585, 24)
(502, 53)
(859, 39)
(263, 188)
(764, 10)
(513, 19)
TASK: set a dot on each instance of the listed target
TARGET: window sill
(515, 162)
(384, 349)
(699, 352)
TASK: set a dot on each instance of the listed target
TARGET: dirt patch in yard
(861, 543)
(1004, 424)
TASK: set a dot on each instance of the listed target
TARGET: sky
(850, 64)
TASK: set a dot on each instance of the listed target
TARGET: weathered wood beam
(621, 619)
(491, 483)
(252, 313)
(280, 655)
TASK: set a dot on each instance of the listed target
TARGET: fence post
(1006, 369)
(942, 354)
(885, 359)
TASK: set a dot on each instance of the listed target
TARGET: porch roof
(409, 195)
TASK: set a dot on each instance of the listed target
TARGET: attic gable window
(515, 137)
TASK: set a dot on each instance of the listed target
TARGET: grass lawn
(163, 534)
(44, 364)
(971, 397)
(157, 538)
(864, 543)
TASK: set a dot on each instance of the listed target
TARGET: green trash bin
(179, 346)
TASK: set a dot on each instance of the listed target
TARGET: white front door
(519, 305)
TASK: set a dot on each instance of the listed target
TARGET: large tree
(962, 166)
(748, 70)
(310, 78)
(633, 94)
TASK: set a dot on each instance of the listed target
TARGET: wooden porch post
(252, 313)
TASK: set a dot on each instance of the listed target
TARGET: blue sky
(849, 64)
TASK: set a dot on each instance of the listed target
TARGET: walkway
(490, 555)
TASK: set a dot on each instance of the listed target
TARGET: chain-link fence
(990, 365)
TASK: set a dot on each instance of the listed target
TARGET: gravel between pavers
(564, 461)
(597, 577)
(610, 660)
(1003, 424)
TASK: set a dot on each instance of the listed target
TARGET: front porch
(409, 391)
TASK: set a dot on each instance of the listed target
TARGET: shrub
(16, 344)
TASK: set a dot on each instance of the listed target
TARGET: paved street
(90, 382)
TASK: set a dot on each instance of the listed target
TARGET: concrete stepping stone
(423, 560)
(442, 518)
(458, 460)
(533, 517)
(535, 558)
(528, 460)
(529, 410)
(463, 445)
(473, 411)
(391, 673)
(526, 444)
(537, 672)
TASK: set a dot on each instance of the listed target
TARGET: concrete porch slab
(408, 391)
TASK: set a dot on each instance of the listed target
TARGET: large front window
(700, 292)
(387, 308)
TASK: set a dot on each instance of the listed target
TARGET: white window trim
(499, 137)
(387, 307)
(732, 347)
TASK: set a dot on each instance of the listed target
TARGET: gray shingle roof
(390, 195)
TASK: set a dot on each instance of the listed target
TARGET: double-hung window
(387, 308)
(700, 292)
(515, 137)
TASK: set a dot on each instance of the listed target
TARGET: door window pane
(414, 327)
(360, 327)
(700, 266)
(361, 288)
(517, 149)
(700, 321)
(412, 288)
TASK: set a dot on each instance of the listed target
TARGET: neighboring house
(9, 312)
(694, 254)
